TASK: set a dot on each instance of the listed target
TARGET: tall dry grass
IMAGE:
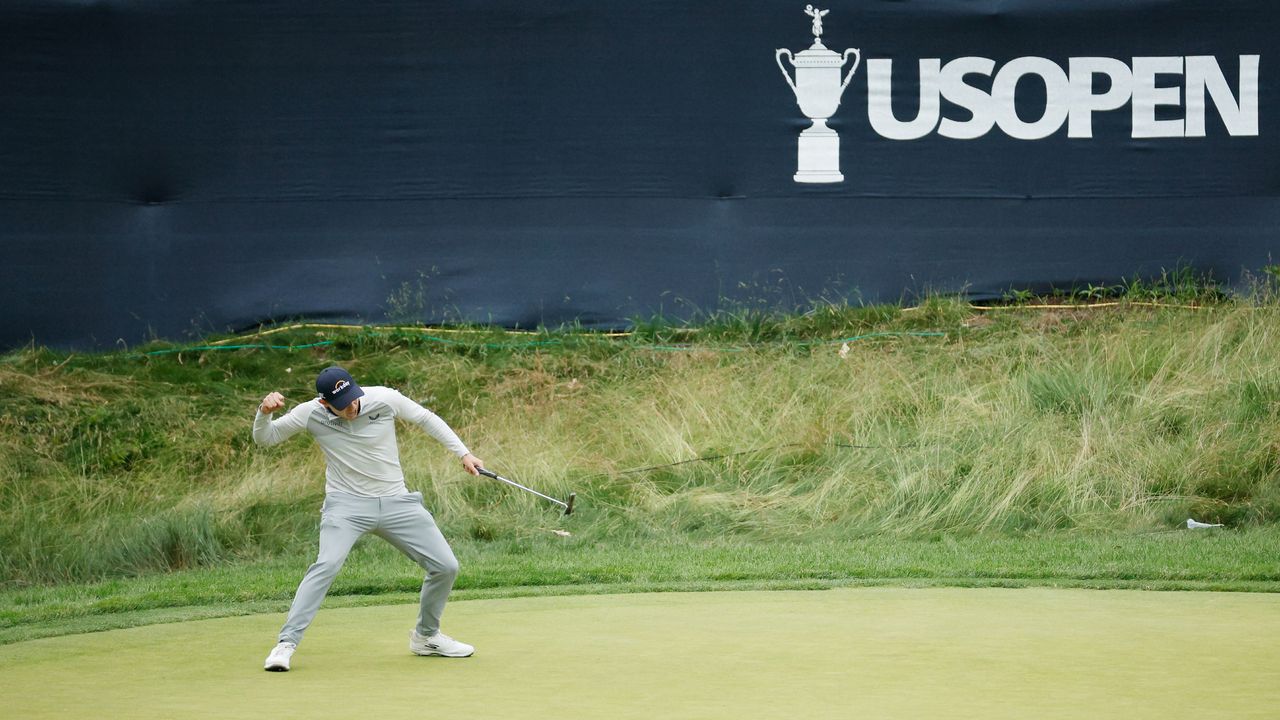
(1016, 421)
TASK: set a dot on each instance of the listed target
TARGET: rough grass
(832, 424)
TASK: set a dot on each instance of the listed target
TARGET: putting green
(857, 653)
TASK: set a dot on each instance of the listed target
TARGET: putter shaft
(568, 506)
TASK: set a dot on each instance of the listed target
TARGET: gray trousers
(400, 520)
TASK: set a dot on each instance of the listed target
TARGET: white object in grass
(1193, 525)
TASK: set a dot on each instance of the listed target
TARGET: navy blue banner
(174, 168)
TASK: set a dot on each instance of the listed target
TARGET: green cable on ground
(493, 346)
(537, 343)
(919, 333)
(677, 348)
(205, 348)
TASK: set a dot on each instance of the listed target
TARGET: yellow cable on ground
(394, 328)
(438, 330)
(1085, 306)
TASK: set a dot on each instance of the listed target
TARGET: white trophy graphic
(818, 89)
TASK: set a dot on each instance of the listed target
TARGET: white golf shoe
(278, 660)
(438, 644)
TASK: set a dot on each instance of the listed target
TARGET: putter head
(568, 509)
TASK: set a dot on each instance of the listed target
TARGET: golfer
(365, 492)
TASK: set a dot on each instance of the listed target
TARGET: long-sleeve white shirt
(362, 455)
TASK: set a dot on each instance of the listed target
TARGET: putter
(568, 506)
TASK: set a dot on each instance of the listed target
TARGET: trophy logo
(818, 88)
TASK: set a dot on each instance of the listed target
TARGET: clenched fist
(271, 403)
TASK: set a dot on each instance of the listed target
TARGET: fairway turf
(375, 574)
(866, 653)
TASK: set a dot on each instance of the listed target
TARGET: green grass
(751, 447)
(547, 564)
